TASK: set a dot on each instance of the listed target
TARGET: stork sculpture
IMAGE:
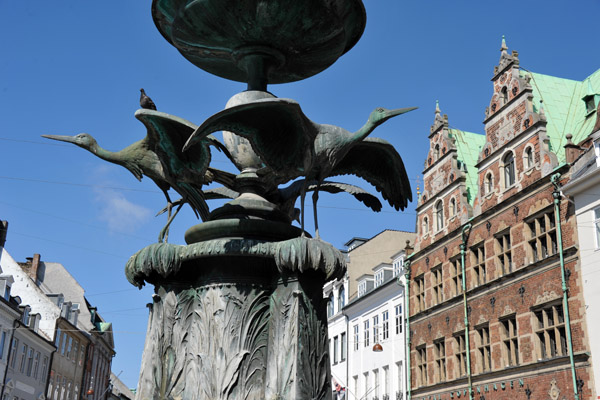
(291, 145)
(159, 157)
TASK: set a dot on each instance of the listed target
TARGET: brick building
(488, 317)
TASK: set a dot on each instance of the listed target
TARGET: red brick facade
(518, 331)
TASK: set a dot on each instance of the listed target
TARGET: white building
(376, 354)
(584, 189)
(370, 319)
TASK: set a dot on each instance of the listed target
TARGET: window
(510, 341)
(36, 364)
(509, 170)
(376, 329)
(330, 305)
(440, 360)
(398, 319)
(504, 93)
(341, 297)
(23, 357)
(385, 316)
(436, 152)
(2, 343)
(420, 293)
(589, 104)
(597, 226)
(528, 158)
(421, 366)
(356, 341)
(436, 276)
(489, 184)
(57, 338)
(69, 347)
(425, 225)
(44, 369)
(550, 331)
(81, 354)
(460, 351)
(379, 278)
(335, 349)
(484, 349)
(50, 384)
(452, 207)
(479, 264)
(504, 253)
(398, 264)
(13, 351)
(366, 333)
(343, 346)
(542, 233)
(456, 272)
(362, 288)
(439, 215)
(386, 380)
(75, 350)
(64, 344)
(30, 361)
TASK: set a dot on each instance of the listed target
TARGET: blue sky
(76, 66)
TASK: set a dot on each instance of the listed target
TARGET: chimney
(572, 151)
(3, 231)
(32, 266)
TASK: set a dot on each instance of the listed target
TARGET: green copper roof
(564, 108)
(103, 326)
(468, 147)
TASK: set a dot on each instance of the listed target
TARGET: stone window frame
(439, 347)
(478, 263)
(542, 235)
(528, 157)
(509, 332)
(439, 215)
(460, 354)
(488, 183)
(419, 291)
(437, 284)
(503, 247)
(550, 330)
(509, 171)
(456, 275)
(484, 349)
(421, 364)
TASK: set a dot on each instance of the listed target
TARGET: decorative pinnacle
(504, 47)
(437, 108)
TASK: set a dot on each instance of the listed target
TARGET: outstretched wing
(377, 161)
(167, 134)
(290, 193)
(277, 130)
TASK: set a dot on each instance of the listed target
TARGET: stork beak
(398, 111)
(62, 138)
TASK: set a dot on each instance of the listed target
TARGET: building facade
(495, 294)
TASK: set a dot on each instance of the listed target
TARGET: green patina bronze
(238, 311)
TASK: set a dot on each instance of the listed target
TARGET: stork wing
(376, 161)
(293, 191)
(167, 134)
(277, 130)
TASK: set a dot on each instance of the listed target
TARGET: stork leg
(302, 196)
(315, 197)
(164, 232)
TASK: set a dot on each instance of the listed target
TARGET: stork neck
(365, 131)
(104, 154)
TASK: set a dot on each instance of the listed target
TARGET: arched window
(425, 225)
(330, 305)
(528, 158)
(509, 170)
(439, 215)
(452, 207)
(504, 95)
(341, 297)
(436, 152)
(489, 183)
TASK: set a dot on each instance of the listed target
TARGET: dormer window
(341, 297)
(7, 293)
(330, 305)
(590, 104)
(398, 266)
(378, 278)
(26, 316)
(362, 288)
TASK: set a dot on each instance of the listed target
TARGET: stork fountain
(238, 312)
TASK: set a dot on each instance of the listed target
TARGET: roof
(468, 146)
(564, 107)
